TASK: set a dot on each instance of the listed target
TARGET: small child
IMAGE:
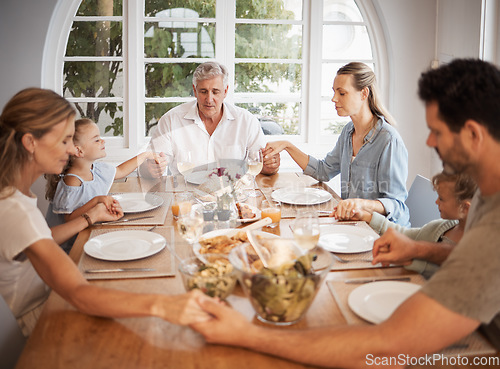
(455, 193)
(85, 181)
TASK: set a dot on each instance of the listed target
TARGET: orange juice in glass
(181, 204)
(271, 209)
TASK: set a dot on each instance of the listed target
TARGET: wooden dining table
(66, 338)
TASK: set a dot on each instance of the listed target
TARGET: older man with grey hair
(208, 127)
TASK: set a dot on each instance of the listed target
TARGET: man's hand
(225, 327)
(271, 162)
(394, 247)
(155, 167)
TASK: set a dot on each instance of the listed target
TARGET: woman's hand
(100, 213)
(274, 148)
(184, 309)
(357, 209)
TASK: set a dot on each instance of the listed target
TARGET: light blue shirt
(69, 198)
(378, 172)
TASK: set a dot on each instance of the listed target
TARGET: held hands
(274, 148)
(352, 209)
(186, 309)
(271, 163)
(393, 247)
(226, 324)
(100, 212)
(156, 163)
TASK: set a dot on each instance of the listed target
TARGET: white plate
(136, 202)
(124, 245)
(198, 177)
(376, 301)
(302, 196)
(220, 232)
(346, 239)
(256, 211)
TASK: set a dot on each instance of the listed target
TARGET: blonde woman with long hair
(36, 137)
(370, 155)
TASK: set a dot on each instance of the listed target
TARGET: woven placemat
(472, 345)
(157, 215)
(291, 211)
(163, 262)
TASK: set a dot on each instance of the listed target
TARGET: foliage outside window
(267, 59)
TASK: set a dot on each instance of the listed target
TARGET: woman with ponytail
(370, 155)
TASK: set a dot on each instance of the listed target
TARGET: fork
(152, 228)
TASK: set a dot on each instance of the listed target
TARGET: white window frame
(310, 141)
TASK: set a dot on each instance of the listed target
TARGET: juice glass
(182, 203)
(271, 209)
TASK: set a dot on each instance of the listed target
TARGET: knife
(368, 280)
(119, 270)
(127, 220)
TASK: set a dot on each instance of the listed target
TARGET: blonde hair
(464, 187)
(53, 179)
(363, 77)
(32, 110)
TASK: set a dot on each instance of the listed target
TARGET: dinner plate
(124, 245)
(136, 202)
(346, 239)
(376, 301)
(256, 211)
(302, 196)
(198, 177)
(221, 232)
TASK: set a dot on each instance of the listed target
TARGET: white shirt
(21, 225)
(181, 129)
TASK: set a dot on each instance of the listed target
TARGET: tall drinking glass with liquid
(255, 162)
(306, 230)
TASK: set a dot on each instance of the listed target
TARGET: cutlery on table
(342, 260)
(369, 280)
(127, 220)
(111, 270)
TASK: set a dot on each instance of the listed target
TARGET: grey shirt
(468, 281)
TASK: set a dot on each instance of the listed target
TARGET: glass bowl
(212, 274)
(281, 295)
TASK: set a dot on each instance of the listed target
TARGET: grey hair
(210, 70)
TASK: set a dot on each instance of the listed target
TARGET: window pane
(93, 79)
(268, 77)
(269, 9)
(341, 10)
(346, 42)
(100, 8)
(276, 118)
(108, 116)
(180, 8)
(179, 40)
(154, 112)
(280, 41)
(169, 80)
(95, 39)
(331, 123)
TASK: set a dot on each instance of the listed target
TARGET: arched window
(125, 63)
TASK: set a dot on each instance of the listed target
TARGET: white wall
(409, 26)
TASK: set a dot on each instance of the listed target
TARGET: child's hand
(108, 201)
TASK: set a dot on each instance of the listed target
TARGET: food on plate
(245, 211)
(221, 244)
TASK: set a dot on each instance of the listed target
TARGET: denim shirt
(378, 172)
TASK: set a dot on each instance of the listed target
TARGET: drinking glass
(185, 163)
(306, 230)
(255, 163)
(271, 209)
(190, 223)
